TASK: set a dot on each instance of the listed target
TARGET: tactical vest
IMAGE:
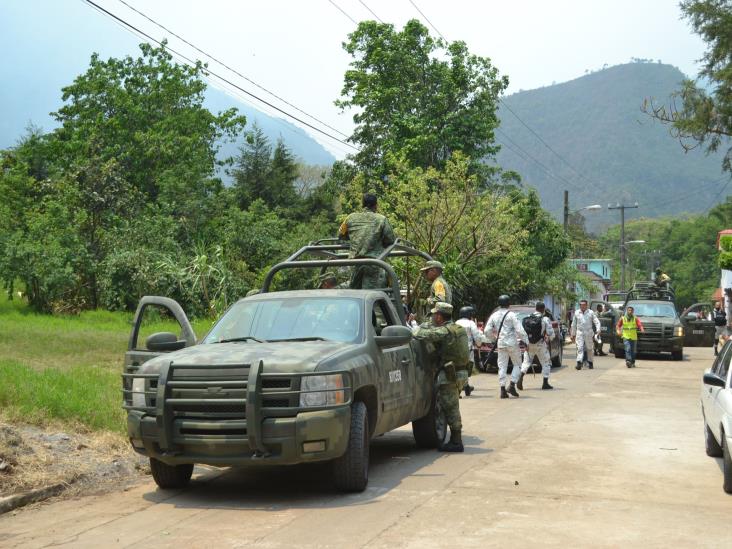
(455, 346)
(630, 329)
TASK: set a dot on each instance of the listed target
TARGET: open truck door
(698, 330)
(160, 342)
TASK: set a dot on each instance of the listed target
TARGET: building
(598, 273)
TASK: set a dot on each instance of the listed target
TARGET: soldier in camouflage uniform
(440, 290)
(451, 343)
(369, 234)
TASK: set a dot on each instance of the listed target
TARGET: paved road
(612, 457)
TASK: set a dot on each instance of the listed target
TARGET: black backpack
(720, 318)
(533, 326)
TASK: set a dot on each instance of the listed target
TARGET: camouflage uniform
(369, 234)
(451, 341)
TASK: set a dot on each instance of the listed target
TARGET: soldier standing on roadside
(369, 234)
(451, 341)
(440, 289)
(584, 326)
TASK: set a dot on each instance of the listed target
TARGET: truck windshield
(665, 310)
(293, 319)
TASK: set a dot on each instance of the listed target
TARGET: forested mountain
(37, 68)
(595, 123)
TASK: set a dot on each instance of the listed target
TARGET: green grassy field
(67, 368)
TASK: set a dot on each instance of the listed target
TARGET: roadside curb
(14, 501)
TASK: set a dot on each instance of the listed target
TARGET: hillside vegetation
(595, 123)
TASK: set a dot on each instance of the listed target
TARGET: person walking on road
(539, 330)
(506, 332)
(627, 328)
(720, 323)
(369, 234)
(451, 342)
(584, 326)
(475, 339)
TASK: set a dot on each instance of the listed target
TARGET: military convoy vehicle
(664, 331)
(699, 328)
(283, 377)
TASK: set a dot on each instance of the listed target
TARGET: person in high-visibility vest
(628, 327)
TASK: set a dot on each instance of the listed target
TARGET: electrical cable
(428, 21)
(370, 11)
(343, 12)
(223, 64)
(210, 72)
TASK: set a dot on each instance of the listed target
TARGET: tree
(253, 167)
(698, 117)
(418, 96)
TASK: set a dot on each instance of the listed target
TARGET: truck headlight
(325, 390)
(138, 392)
(679, 331)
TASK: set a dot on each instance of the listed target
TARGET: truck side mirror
(393, 336)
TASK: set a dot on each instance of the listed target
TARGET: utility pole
(622, 208)
(566, 210)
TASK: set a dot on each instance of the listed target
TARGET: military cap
(442, 307)
(432, 265)
(327, 276)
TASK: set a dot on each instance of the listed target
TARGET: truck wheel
(557, 360)
(170, 476)
(711, 445)
(351, 470)
(677, 355)
(430, 431)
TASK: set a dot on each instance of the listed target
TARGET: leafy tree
(418, 96)
(696, 116)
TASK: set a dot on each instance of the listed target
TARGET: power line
(215, 59)
(370, 11)
(343, 12)
(428, 21)
(210, 72)
(716, 197)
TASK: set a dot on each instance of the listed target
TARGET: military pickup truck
(283, 377)
(664, 332)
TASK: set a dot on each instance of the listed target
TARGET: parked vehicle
(283, 377)
(716, 404)
(608, 320)
(699, 329)
(489, 360)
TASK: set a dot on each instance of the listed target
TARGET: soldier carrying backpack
(539, 329)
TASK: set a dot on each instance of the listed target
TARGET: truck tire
(170, 476)
(430, 431)
(351, 470)
(711, 445)
(677, 355)
(557, 360)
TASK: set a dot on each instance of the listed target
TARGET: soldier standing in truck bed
(369, 234)
(439, 289)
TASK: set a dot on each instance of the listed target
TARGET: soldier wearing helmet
(450, 341)
(475, 340)
(504, 329)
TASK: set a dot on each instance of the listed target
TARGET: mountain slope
(596, 125)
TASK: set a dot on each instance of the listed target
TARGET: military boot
(546, 385)
(520, 384)
(590, 366)
(504, 394)
(468, 389)
(579, 365)
(455, 444)
(512, 389)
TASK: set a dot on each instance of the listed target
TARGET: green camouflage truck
(283, 377)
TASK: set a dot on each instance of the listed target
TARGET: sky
(293, 48)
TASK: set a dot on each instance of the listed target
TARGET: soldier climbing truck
(283, 377)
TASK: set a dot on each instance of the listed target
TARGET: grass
(67, 368)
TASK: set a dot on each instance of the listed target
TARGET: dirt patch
(89, 462)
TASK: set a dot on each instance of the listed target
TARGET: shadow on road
(393, 458)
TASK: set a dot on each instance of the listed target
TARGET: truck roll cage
(333, 253)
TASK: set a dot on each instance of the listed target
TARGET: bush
(725, 261)
(725, 242)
